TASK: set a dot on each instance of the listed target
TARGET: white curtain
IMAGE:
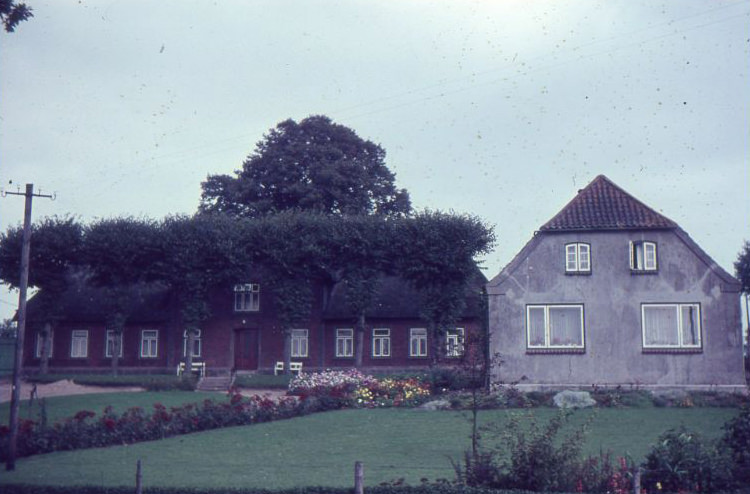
(536, 326)
(660, 326)
(565, 326)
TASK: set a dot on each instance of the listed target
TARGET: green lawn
(59, 407)
(321, 449)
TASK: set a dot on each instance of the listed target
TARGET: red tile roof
(602, 205)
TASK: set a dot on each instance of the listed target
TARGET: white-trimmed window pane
(649, 256)
(417, 342)
(247, 297)
(690, 322)
(79, 343)
(536, 326)
(344, 342)
(584, 258)
(299, 343)
(149, 343)
(454, 341)
(110, 347)
(660, 325)
(381, 342)
(571, 258)
(643, 256)
(197, 343)
(565, 326)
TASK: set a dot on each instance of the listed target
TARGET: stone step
(214, 383)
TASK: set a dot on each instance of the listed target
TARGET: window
(113, 337)
(454, 342)
(344, 342)
(554, 326)
(381, 342)
(149, 343)
(671, 326)
(577, 258)
(247, 297)
(418, 342)
(40, 342)
(643, 256)
(299, 343)
(196, 343)
(79, 343)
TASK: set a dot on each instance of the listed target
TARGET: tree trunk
(189, 353)
(435, 340)
(44, 357)
(116, 343)
(287, 351)
(360, 343)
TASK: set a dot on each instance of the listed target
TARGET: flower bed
(352, 389)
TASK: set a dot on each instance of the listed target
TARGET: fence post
(359, 477)
(637, 480)
(138, 477)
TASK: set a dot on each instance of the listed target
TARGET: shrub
(682, 461)
(737, 440)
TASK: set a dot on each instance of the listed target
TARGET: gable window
(344, 342)
(643, 256)
(554, 326)
(299, 343)
(381, 342)
(247, 297)
(668, 326)
(196, 343)
(149, 343)
(79, 343)
(40, 343)
(577, 258)
(417, 342)
(113, 337)
(454, 342)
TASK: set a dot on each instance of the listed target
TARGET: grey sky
(503, 109)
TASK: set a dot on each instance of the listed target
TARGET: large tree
(55, 252)
(742, 271)
(314, 165)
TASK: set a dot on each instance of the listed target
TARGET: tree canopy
(742, 267)
(314, 165)
(11, 13)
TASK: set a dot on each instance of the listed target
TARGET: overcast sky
(502, 109)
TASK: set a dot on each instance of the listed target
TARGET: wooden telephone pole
(23, 286)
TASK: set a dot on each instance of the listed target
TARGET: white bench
(199, 367)
(293, 366)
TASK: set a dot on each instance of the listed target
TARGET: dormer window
(578, 258)
(247, 297)
(643, 256)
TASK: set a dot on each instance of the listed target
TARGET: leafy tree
(313, 165)
(55, 253)
(742, 271)
(12, 13)
(121, 255)
(436, 253)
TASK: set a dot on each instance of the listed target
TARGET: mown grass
(321, 449)
(60, 407)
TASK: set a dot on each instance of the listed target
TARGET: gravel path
(60, 388)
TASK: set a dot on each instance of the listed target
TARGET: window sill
(577, 273)
(418, 357)
(344, 357)
(637, 272)
(666, 350)
(554, 351)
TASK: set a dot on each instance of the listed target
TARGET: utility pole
(15, 401)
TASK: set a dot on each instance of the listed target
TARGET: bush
(682, 461)
(737, 440)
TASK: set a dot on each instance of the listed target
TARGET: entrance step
(214, 383)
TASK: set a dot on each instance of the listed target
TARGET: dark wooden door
(246, 349)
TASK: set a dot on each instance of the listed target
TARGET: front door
(246, 349)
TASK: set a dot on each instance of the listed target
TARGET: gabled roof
(602, 205)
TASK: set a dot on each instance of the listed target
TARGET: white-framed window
(417, 342)
(79, 343)
(577, 258)
(197, 345)
(454, 342)
(671, 325)
(299, 343)
(113, 336)
(643, 256)
(554, 326)
(381, 342)
(247, 297)
(40, 343)
(344, 342)
(149, 343)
